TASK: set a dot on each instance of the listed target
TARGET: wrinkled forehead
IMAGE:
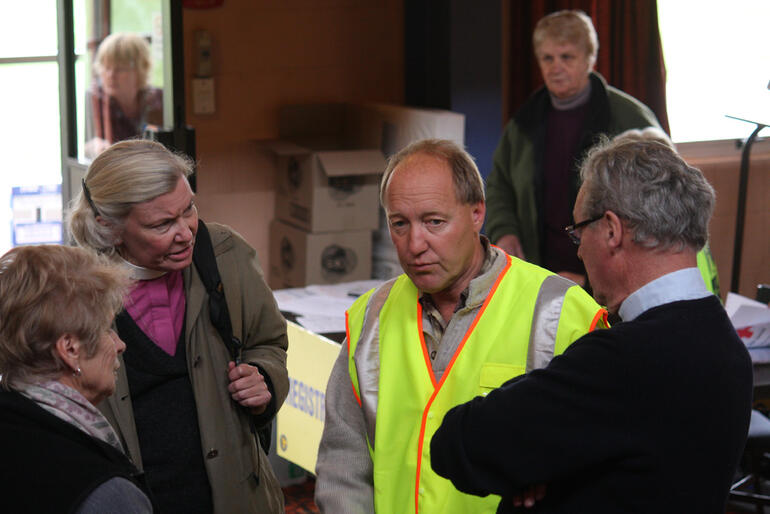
(420, 173)
(411, 170)
(561, 45)
(112, 61)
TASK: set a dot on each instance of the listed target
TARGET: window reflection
(119, 71)
(120, 102)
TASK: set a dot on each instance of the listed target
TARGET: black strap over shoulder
(206, 264)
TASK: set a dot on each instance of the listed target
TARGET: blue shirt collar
(683, 284)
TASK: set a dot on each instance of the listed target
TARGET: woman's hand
(510, 244)
(248, 387)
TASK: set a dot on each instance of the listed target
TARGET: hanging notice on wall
(37, 215)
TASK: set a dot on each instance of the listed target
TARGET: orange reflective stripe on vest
(410, 404)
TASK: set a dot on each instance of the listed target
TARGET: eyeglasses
(572, 230)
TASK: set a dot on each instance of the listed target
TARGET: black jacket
(648, 416)
(49, 465)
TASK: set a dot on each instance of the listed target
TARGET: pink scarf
(69, 405)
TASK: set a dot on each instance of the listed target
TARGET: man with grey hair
(648, 416)
(462, 319)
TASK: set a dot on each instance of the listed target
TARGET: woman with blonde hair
(121, 102)
(187, 410)
(58, 358)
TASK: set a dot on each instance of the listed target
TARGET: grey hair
(127, 173)
(469, 186)
(571, 26)
(646, 134)
(665, 202)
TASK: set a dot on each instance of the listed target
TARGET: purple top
(563, 132)
(105, 118)
(158, 306)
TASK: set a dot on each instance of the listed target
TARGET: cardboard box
(385, 127)
(299, 258)
(392, 127)
(326, 181)
(324, 191)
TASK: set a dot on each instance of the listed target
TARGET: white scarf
(140, 272)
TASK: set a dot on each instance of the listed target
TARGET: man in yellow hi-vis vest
(610, 425)
(464, 318)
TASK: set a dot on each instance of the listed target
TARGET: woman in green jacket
(533, 184)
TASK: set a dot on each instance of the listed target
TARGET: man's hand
(529, 496)
(248, 387)
(509, 243)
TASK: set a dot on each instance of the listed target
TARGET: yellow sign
(300, 421)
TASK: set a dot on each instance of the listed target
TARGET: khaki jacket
(232, 456)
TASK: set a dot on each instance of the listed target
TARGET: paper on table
(350, 290)
(750, 318)
(322, 324)
(321, 309)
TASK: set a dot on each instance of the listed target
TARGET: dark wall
(427, 34)
(452, 61)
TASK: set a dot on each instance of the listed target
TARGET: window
(105, 112)
(30, 176)
(717, 63)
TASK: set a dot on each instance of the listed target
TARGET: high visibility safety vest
(708, 269)
(528, 316)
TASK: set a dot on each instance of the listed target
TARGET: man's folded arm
(536, 428)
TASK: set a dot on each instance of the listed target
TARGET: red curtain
(630, 52)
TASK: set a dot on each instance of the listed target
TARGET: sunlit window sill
(727, 149)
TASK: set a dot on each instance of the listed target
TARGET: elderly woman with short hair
(121, 103)
(533, 184)
(186, 410)
(58, 357)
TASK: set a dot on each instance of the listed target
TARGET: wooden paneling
(720, 163)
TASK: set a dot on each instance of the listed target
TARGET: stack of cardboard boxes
(328, 222)
(327, 191)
